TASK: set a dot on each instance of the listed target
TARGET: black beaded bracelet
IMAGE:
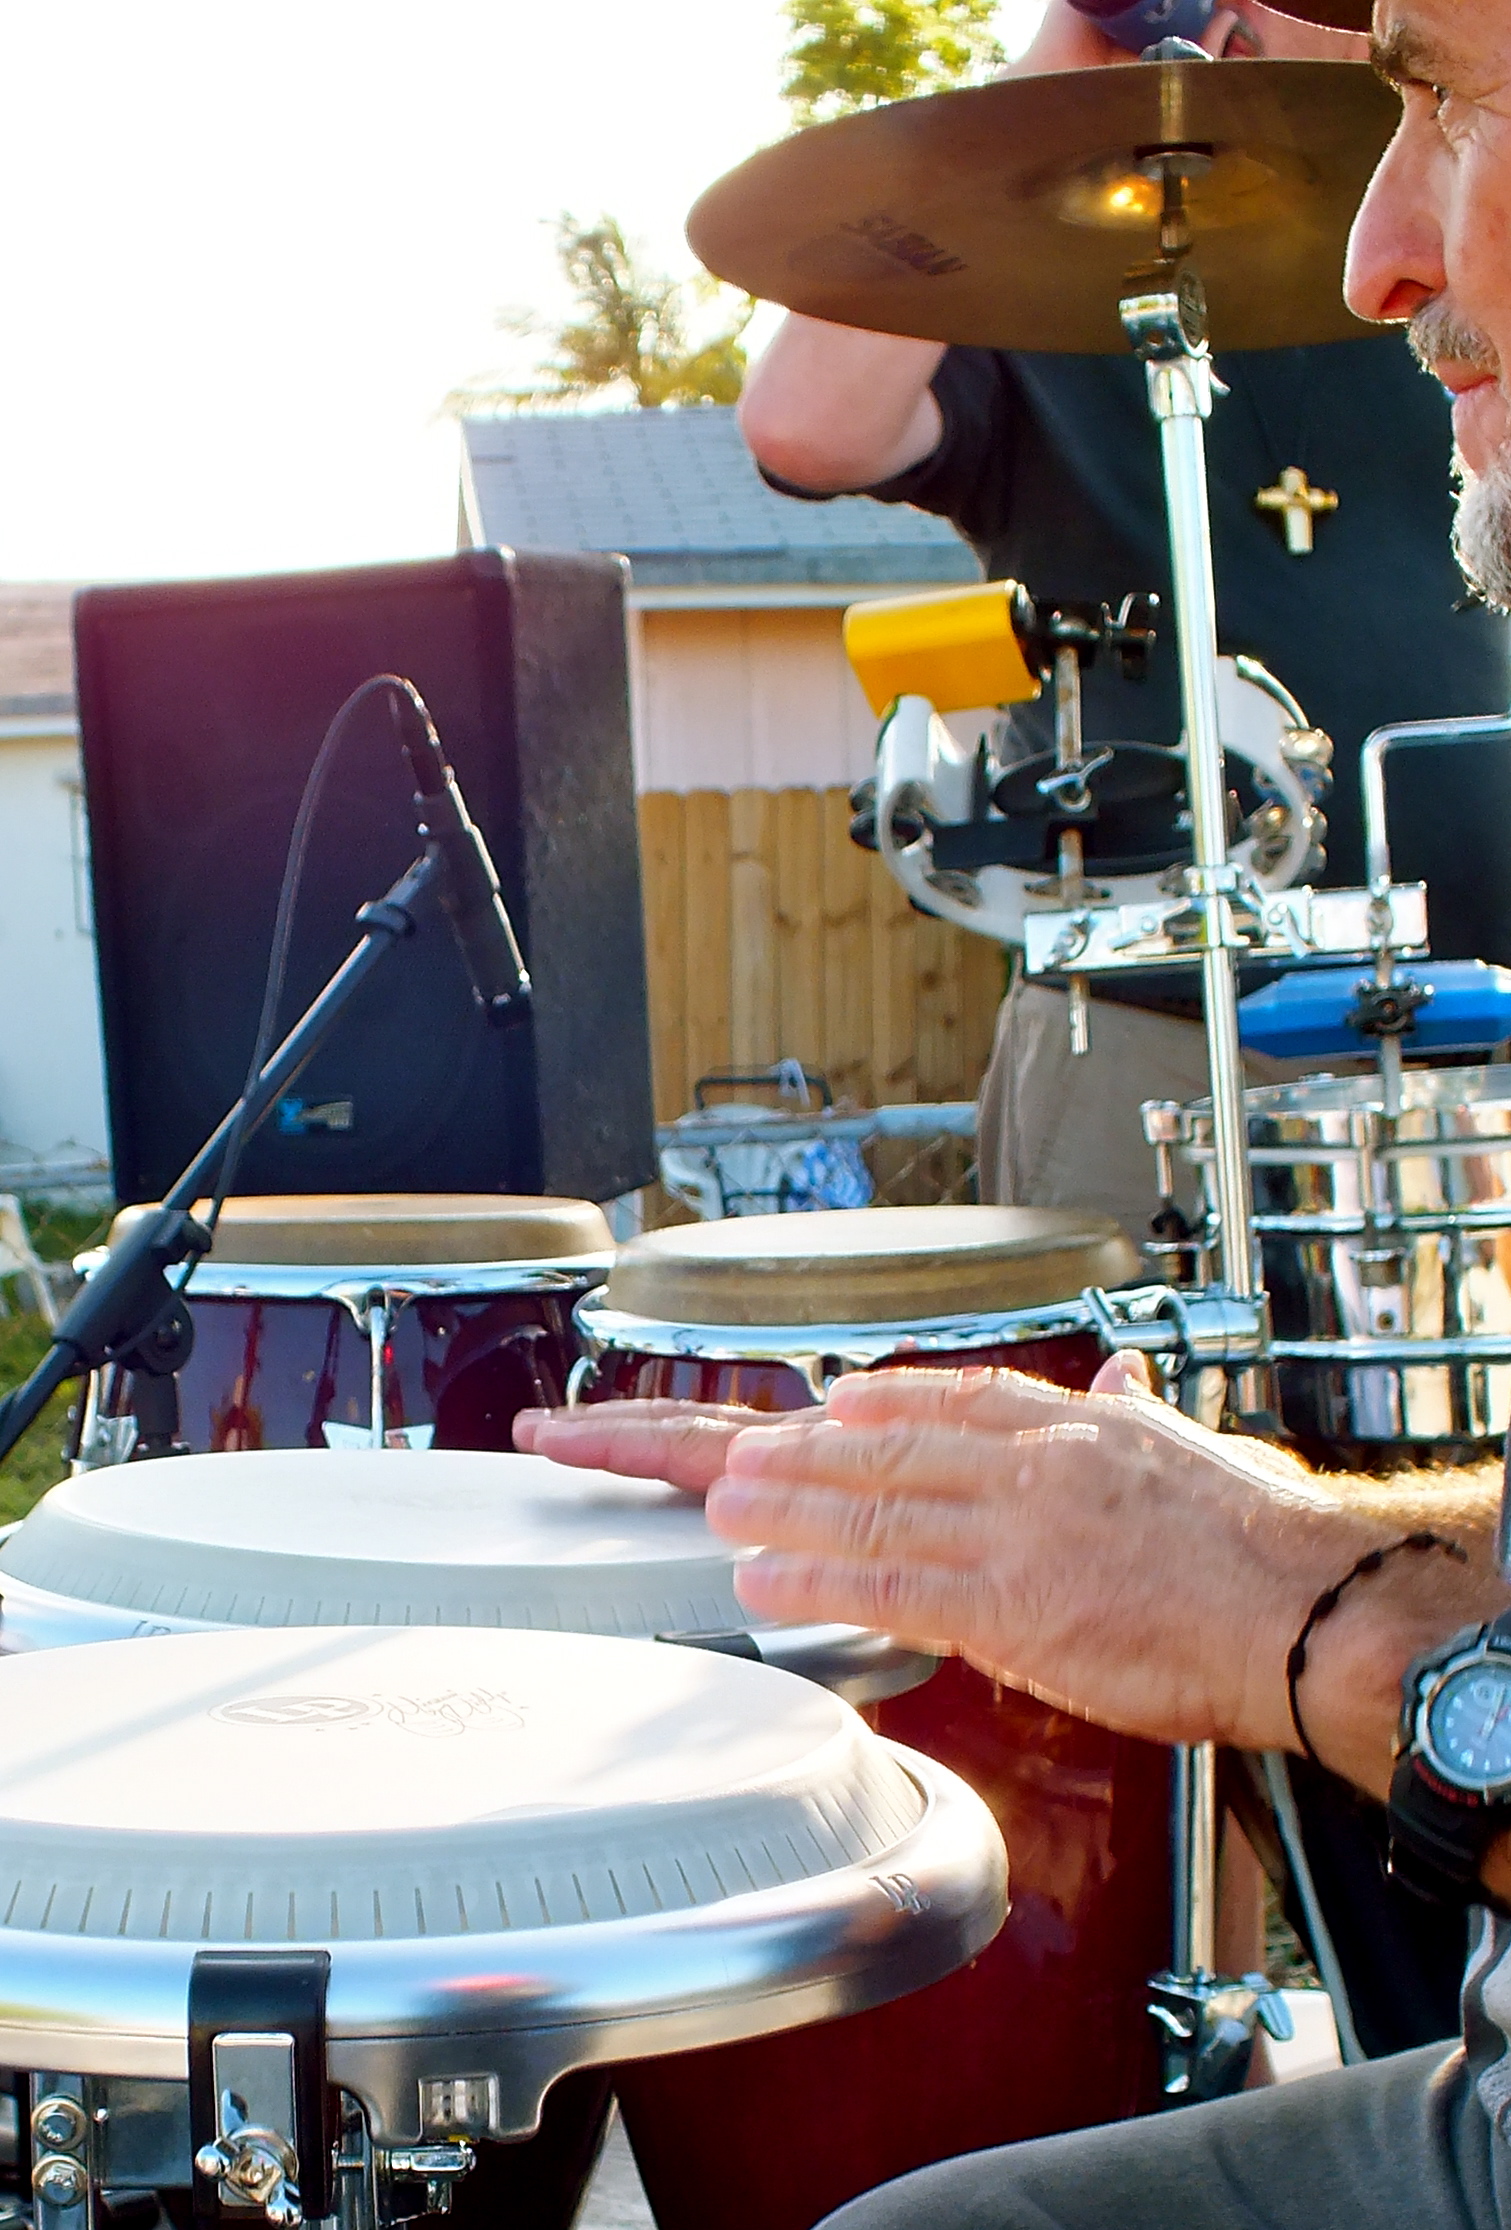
(1420, 1544)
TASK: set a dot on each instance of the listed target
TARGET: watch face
(1469, 1726)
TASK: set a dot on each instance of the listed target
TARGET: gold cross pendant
(1299, 505)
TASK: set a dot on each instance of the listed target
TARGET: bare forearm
(830, 408)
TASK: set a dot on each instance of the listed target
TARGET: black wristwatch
(1450, 1795)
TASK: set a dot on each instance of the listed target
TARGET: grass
(37, 1463)
(58, 1234)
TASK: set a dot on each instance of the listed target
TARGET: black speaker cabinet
(202, 705)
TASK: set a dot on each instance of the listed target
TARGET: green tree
(850, 54)
(630, 336)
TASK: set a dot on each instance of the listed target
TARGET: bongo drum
(300, 1920)
(1048, 2029)
(395, 1319)
(292, 1537)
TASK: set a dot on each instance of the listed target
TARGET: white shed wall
(747, 700)
(52, 1090)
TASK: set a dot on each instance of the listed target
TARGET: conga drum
(350, 1319)
(295, 1538)
(1047, 2030)
(286, 1537)
(297, 1922)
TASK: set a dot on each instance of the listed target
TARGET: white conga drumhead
(867, 1265)
(395, 1229)
(524, 1852)
(373, 1537)
(274, 1788)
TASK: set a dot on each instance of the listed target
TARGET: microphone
(469, 894)
(1148, 21)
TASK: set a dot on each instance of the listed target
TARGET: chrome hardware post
(1165, 316)
(1072, 849)
(1164, 313)
(1377, 851)
(63, 2184)
(377, 1346)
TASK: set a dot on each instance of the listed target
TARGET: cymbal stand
(1207, 2022)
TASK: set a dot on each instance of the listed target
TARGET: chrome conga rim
(810, 1347)
(351, 1284)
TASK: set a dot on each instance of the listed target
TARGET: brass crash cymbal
(1007, 216)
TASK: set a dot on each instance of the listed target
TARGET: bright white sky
(248, 245)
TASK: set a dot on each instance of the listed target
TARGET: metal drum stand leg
(1206, 2022)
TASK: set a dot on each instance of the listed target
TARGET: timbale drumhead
(398, 1229)
(375, 1537)
(336, 1787)
(868, 1265)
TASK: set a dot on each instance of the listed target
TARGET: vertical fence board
(770, 936)
(846, 956)
(663, 874)
(800, 924)
(894, 990)
(706, 942)
(939, 983)
(755, 1034)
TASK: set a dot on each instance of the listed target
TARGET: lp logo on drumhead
(296, 1711)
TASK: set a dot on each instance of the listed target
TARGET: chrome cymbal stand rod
(1166, 320)
(1069, 753)
(1206, 2022)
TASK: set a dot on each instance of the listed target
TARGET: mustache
(1438, 335)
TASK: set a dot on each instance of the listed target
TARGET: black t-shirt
(1049, 465)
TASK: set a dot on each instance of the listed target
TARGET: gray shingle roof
(676, 492)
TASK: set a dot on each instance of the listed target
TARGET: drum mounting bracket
(260, 2119)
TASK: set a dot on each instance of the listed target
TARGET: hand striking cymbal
(1008, 216)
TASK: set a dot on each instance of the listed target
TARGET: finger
(1127, 1372)
(859, 1527)
(685, 1448)
(625, 1415)
(991, 1399)
(925, 1458)
(915, 1605)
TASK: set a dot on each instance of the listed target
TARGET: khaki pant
(1057, 1132)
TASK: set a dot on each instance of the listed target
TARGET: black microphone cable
(281, 942)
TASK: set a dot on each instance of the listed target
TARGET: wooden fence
(770, 936)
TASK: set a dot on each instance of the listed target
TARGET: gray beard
(1482, 530)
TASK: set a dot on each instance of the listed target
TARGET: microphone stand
(129, 1313)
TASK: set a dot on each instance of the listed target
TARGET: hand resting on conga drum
(685, 1443)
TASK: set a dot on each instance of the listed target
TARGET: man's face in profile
(1432, 243)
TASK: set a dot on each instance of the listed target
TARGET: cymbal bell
(1009, 215)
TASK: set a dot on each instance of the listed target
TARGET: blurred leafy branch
(633, 336)
(845, 55)
(630, 336)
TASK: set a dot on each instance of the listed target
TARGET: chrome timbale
(1385, 1245)
(507, 2014)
